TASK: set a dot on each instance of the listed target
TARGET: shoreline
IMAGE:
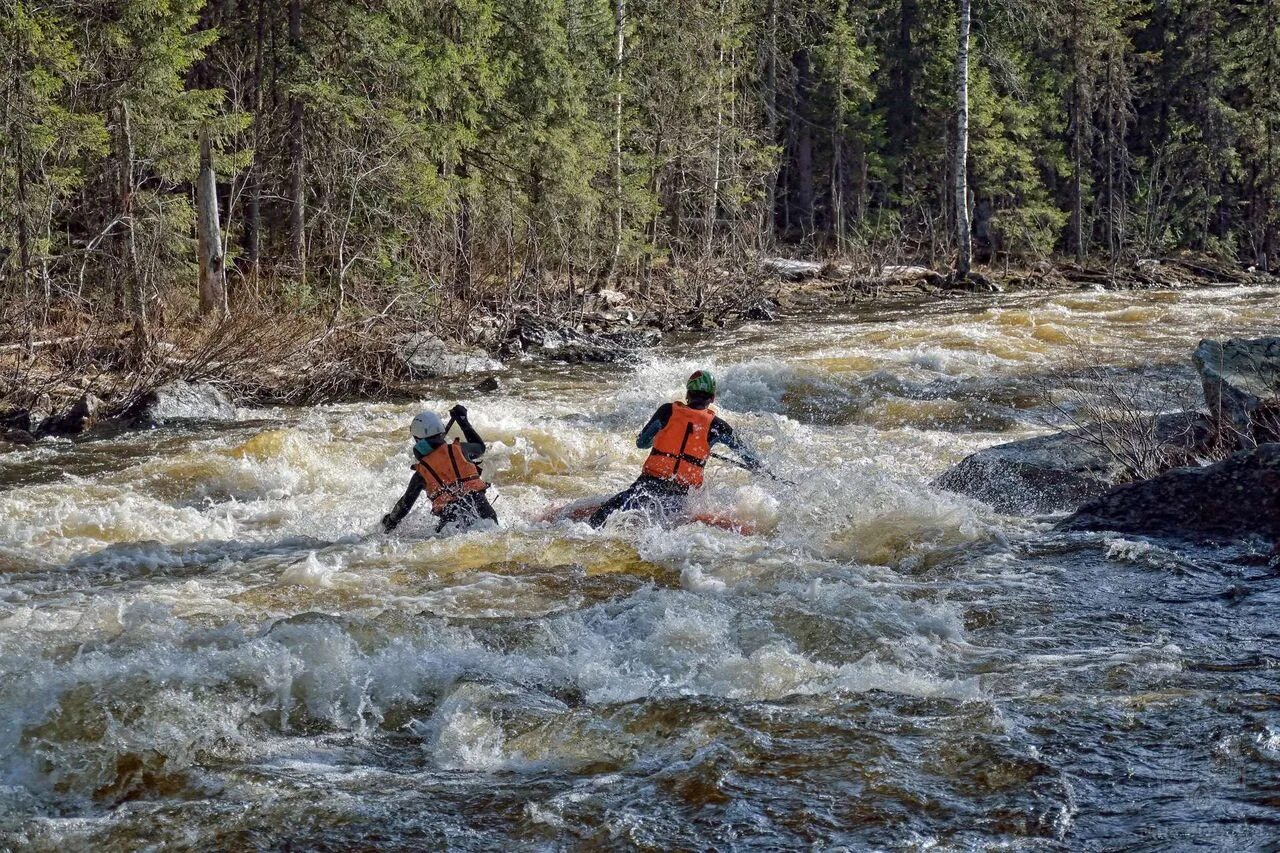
(71, 385)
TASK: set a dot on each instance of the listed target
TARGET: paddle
(758, 470)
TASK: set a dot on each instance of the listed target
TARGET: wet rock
(427, 357)
(75, 420)
(547, 338)
(1241, 381)
(15, 419)
(973, 282)
(1058, 472)
(1236, 498)
(41, 410)
(18, 436)
(488, 385)
(762, 311)
(27, 418)
(180, 400)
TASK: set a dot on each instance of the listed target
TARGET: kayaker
(447, 472)
(679, 437)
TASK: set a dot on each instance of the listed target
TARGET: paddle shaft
(745, 467)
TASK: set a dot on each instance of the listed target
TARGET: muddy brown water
(204, 646)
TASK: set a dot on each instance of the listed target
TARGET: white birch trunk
(620, 22)
(964, 238)
(213, 291)
(713, 203)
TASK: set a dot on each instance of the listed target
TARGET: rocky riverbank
(70, 384)
(1221, 476)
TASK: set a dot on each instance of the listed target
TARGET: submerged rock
(1056, 473)
(1236, 498)
(20, 437)
(1241, 381)
(180, 400)
(426, 356)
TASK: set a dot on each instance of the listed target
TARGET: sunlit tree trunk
(213, 291)
(620, 36)
(125, 190)
(713, 203)
(297, 177)
(964, 238)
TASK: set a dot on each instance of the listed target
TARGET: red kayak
(581, 510)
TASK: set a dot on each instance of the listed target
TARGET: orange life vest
(448, 475)
(682, 447)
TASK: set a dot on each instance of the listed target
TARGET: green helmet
(701, 382)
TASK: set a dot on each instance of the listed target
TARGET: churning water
(203, 646)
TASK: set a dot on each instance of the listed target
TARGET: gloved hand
(458, 412)
(387, 524)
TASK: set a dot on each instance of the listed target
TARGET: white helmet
(425, 425)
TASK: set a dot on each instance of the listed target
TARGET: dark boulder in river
(1241, 381)
(1058, 472)
(1236, 498)
(82, 415)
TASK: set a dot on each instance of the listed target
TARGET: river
(204, 646)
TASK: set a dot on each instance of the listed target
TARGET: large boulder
(427, 357)
(184, 401)
(1242, 388)
(1058, 472)
(1236, 498)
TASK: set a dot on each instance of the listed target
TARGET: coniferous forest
(331, 156)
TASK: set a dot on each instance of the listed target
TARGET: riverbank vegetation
(331, 166)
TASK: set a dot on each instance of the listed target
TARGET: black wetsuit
(466, 510)
(661, 495)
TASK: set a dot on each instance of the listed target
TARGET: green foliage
(437, 146)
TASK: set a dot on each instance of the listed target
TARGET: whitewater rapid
(205, 644)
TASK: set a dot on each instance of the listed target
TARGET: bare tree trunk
(297, 176)
(714, 202)
(213, 289)
(1268, 197)
(1077, 137)
(964, 237)
(463, 276)
(771, 120)
(804, 165)
(23, 215)
(253, 209)
(620, 35)
(125, 188)
(21, 196)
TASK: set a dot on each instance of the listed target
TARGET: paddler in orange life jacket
(446, 472)
(679, 438)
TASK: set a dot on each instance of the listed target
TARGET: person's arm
(392, 519)
(722, 433)
(644, 440)
(473, 448)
